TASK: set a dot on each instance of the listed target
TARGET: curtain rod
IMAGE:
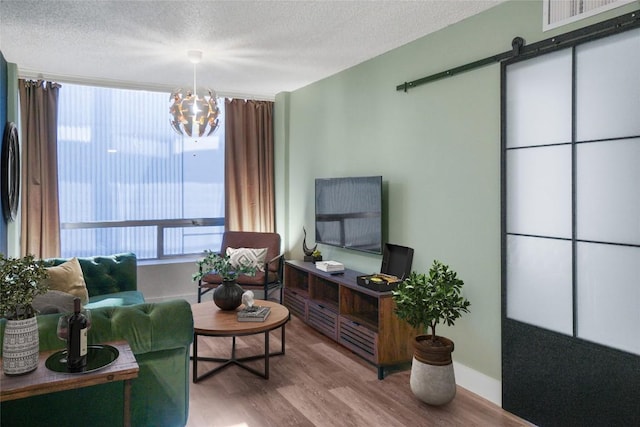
(121, 84)
(519, 49)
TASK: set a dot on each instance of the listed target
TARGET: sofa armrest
(159, 334)
(147, 327)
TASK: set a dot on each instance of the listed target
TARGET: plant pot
(21, 346)
(228, 295)
(432, 378)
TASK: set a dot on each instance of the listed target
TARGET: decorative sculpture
(307, 251)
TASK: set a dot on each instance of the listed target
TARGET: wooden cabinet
(360, 319)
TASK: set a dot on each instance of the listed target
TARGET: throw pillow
(53, 302)
(67, 277)
(248, 256)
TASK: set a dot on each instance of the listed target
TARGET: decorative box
(396, 266)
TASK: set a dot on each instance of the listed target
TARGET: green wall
(437, 148)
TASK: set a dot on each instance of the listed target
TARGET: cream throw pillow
(248, 256)
(67, 277)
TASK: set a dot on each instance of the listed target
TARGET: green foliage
(221, 265)
(21, 279)
(426, 300)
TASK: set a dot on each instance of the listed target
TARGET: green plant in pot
(228, 295)
(425, 301)
(21, 280)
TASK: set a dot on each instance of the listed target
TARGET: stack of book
(330, 266)
(254, 314)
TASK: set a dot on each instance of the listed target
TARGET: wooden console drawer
(359, 339)
(296, 303)
(323, 319)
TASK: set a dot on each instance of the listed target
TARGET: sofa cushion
(251, 257)
(116, 299)
(67, 277)
(53, 302)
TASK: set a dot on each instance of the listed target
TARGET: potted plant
(21, 280)
(228, 295)
(425, 301)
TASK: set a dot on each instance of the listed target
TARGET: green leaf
(426, 300)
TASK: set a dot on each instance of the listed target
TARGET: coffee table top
(43, 380)
(208, 319)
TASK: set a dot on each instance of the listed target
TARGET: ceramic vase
(432, 377)
(228, 295)
(21, 346)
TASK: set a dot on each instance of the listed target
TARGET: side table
(44, 381)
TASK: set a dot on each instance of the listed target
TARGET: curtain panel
(249, 166)
(40, 232)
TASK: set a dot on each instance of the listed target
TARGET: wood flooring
(320, 383)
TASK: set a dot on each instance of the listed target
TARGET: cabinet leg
(380, 372)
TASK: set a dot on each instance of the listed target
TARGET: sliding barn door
(571, 234)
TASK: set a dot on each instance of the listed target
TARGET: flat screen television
(349, 213)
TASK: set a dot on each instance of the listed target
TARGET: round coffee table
(210, 321)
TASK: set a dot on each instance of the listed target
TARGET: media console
(361, 319)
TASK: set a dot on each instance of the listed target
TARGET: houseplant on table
(228, 295)
(21, 280)
(424, 301)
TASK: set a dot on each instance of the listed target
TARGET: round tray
(98, 357)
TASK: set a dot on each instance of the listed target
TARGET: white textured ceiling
(253, 48)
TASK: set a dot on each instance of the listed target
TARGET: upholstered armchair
(268, 280)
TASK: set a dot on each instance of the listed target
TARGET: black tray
(98, 357)
(396, 261)
(383, 286)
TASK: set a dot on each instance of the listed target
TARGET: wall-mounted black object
(10, 182)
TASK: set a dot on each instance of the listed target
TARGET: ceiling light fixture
(192, 114)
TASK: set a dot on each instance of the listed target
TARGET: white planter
(435, 385)
(21, 346)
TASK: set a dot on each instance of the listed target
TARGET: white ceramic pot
(435, 385)
(21, 346)
(432, 378)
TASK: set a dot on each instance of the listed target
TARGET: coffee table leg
(195, 358)
(282, 340)
(233, 348)
(266, 355)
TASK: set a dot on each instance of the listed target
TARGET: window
(556, 13)
(128, 182)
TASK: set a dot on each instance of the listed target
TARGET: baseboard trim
(478, 383)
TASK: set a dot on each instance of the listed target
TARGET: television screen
(349, 213)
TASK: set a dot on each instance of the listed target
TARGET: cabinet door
(296, 303)
(323, 319)
(359, 339)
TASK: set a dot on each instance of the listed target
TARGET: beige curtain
(40, 233)
(249, 166)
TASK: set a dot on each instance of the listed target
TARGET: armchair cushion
(67, 277)
(252, 257)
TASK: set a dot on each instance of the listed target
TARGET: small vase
(228, 295)
(21, 346)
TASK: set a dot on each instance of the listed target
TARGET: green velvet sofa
(160, 335)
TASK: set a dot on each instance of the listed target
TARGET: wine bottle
(77, 339)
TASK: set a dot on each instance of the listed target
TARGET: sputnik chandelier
(192, 114)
